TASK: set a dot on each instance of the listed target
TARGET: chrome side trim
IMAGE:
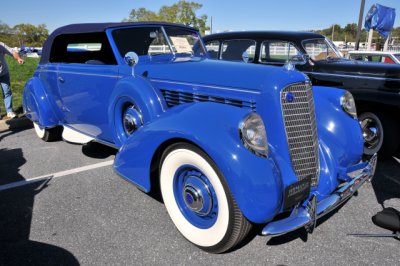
(203, 85)
(351, 76)
(80, 73)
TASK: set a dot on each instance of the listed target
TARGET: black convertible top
(278, 35)
(95, 27)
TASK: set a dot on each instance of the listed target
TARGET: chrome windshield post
(168, 41)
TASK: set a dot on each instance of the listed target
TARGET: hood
(355, 67)
(220, 73)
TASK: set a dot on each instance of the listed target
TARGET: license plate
(297, 192)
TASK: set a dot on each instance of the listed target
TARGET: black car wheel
(380, 132)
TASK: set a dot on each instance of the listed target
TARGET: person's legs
(7, 96)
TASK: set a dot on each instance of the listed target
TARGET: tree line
(348, 33)
(23, 34)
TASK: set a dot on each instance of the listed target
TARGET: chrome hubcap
(371, 132)
(197, 196)
(132, 120)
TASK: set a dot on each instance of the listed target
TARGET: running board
(73, 136)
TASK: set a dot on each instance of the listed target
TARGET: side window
(277, 52)
(213, 49)
(387, 60)
(234, 50)
(83, 48)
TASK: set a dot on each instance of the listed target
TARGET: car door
(86, 78)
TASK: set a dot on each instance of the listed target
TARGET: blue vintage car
(229, 145)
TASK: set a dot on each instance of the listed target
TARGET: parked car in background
(229, 145)
(375, 56)
(376, 87)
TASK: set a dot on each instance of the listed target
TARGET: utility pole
(333, 31)
(360, 19)
(211, 26)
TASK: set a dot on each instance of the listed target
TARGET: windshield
(397, 56)
(185, 42)
(321, 49)
(152, 41)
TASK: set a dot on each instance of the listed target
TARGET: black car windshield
(321, 49)
(152, 41)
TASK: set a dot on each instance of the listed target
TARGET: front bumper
(306, 214)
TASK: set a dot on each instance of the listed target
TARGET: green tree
(182, 12)
(142, 14)
(30, 35)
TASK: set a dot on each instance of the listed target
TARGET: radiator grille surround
(301, 130)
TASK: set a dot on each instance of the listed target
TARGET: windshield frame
(167, 56)
(328, 42)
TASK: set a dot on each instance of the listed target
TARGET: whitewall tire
(198, 199)
(48, 134)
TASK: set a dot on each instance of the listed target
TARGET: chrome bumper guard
(306, 214)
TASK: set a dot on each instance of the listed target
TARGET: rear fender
(36, 104)
(254, 181)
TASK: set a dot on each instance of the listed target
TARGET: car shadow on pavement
(301, 232)
(16, 210)
(98, 151)
(386, 182)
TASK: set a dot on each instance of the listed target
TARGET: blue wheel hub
(195, 197)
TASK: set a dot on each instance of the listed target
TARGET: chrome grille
(174, 98)
(301, 130)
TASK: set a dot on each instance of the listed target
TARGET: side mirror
(299, 59)
(296, 60)
(131, 59)
(245, 57)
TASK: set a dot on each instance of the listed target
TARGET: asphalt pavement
(81, 213)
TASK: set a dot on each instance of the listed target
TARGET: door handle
(60, 79)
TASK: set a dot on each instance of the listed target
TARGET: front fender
(254, 181)
(340, 137)
(37, 106)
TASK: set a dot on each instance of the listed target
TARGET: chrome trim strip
(168, 41)
(80, 73)
(350, 76)
(204, 85)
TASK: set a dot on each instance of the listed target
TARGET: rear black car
(375, 86)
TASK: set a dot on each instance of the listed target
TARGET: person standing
(5, 76)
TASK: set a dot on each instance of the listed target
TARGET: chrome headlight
(348, 104)
(253, 135)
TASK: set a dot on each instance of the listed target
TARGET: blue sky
(227, 14)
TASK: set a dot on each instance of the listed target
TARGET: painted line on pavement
(55, 175)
